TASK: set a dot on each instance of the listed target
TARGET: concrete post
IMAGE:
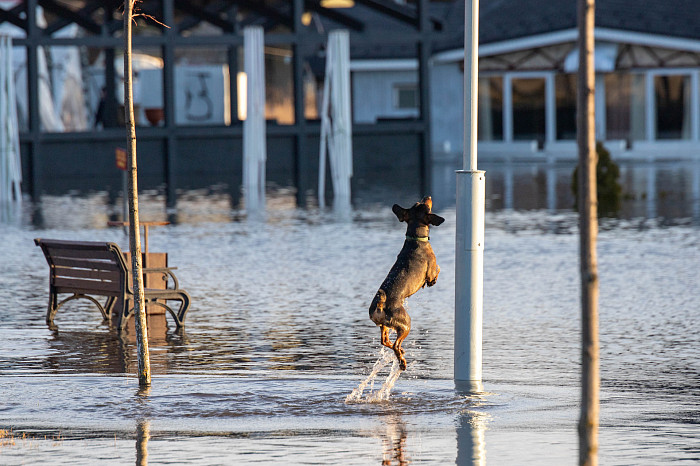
(469, 250)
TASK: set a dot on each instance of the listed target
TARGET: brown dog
(414, 268)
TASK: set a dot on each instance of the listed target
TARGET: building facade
(647, 64)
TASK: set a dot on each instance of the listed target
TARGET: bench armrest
(166, 272)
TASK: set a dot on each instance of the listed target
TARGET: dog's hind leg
(401, 334)
(385, 336)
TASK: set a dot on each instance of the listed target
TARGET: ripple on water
(278, 337)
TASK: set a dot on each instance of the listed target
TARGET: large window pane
(66, 79)
(565, 90)
(618, 94)
(625, 106)
(490, 112)
(672, 107)
(19, 69)
(279, 93)
(101, 99)
(202, 89)
(528, 109)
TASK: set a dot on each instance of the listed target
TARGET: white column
(650, 97)
(470, 223)
(507, 108)
(550, 109)
(695, 106)
(600, 116)
(254, 139)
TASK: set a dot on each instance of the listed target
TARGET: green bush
(608, 188)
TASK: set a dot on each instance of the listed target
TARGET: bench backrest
(86, 267)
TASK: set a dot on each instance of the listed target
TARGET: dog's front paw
(432, 281)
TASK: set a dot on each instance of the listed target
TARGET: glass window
(104, 101)
(672, 95)
(618, 95)
(625, 106)
(313, 87)
(62, 103)
(528, 109)
(490, 114)
(406, 96)
(565, 91)
(202, 86)
(279, 84)
(19, 70)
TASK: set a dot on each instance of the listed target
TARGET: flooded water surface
(278, 344)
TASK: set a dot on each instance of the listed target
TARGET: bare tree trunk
(144, 364)
(588, 228)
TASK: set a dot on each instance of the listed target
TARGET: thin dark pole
(144, 364)
(588, 230)
(302, 163)
(33, 34)
(171, 154)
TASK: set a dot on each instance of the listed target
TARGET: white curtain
(10, 164)
(67, 78)
(254, 144)
(485, 116)
(48, 116)
(686, 129)
(336, 123)
(638, 107)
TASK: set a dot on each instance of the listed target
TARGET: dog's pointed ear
(435, 219)
(400, 212)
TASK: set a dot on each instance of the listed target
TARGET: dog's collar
(425, 239)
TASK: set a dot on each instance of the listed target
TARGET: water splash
(385, 356)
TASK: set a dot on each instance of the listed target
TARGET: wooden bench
(89, 269)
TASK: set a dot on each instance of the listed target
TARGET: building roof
(505, 20)
(502, 20)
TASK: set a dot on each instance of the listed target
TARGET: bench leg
(109, 307)
(124, 315)
(53, 307)
(184, 307)
(179, 317)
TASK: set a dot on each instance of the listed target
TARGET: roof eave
(571, 35)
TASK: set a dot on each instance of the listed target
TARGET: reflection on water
(143, 434)
(394, 441)
(471, 424)
(668, 191)
(278, 336)
(471, 438)
(663, 192)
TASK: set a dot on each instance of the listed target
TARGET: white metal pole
(254, 142)
(471, 80)
(469, 251)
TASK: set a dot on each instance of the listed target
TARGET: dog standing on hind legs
(414, 268)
